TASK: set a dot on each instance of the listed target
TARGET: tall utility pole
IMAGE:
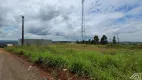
(118, 38)
(22, 30)
(82, 22)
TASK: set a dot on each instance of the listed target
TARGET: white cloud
(61, 19)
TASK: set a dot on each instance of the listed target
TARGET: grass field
(98, 62)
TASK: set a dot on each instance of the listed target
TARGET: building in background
(35, 42)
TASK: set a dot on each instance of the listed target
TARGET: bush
(39, 60)
(80, 68)
(54, 62)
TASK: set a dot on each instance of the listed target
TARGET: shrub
(54, 62)
(39, 60)
(80, 68)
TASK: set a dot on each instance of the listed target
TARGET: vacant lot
(99, 62)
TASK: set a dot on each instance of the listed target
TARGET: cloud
(49, 12)
(61, 19)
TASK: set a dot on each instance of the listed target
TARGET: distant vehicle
(2, 45)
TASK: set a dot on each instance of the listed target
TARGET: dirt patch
(13, 69)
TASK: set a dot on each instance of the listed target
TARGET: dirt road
(11, 68)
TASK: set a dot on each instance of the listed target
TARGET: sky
(61, 19)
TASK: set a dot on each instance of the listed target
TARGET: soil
(13, 68)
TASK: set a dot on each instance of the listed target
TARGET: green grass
(94, 61)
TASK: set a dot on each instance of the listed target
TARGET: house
(35, 42)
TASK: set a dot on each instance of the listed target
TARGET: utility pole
(118, 38)
(82, 23)
(22, 30)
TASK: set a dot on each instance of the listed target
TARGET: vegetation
(104, 40)
(95, 40)
(98, 62)
(114, 40)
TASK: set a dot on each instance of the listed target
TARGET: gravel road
(12, 69)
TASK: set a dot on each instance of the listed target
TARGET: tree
(83, 42)
(96, 39)
(104, 40)
(114, 40)
(77, 42)
(89, 41)
(92, 41)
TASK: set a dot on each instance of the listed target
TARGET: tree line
(96, 40)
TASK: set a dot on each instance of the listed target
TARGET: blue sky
(61, 19)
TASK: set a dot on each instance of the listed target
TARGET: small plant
(80, 68)
(21, 53)
(39, 60)
(54, 62)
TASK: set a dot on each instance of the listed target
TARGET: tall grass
(85, 62)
